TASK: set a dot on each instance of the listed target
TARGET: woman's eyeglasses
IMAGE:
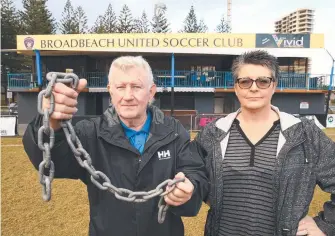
(262, 82)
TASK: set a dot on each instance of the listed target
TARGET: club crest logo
(29, 43)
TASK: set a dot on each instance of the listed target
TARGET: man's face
(130, 92)
(254, 97)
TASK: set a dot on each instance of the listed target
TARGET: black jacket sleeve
(66, 166)
(202, 146)
(191, 164)
(325, 177)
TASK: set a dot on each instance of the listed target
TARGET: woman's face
(254, 86)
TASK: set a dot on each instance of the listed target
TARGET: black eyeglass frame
(255, 81)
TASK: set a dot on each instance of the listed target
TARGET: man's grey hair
(258, 57)
(125, 63)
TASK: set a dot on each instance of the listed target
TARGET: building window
(293, 65)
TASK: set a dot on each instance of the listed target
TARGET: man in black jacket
(135, 146)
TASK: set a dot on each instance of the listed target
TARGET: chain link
(98, 178)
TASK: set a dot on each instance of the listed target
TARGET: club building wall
(93, 104)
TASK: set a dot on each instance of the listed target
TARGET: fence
(194, 123)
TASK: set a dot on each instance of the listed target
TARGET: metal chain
(98, 178)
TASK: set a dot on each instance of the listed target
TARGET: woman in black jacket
(264, 164)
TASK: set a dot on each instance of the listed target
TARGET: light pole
(172, 84)
(159, 10)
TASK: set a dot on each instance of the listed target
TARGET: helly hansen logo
(164, 155)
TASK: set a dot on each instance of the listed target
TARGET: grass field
(25, 213)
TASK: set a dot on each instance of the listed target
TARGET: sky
(248, 16)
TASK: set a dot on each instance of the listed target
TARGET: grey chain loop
(98, 178)
(162, 209)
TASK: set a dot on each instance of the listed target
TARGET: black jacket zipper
(137, 172)
(159, 145)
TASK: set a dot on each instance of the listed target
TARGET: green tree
(142, 24)
(110, 20)
(202, 27)
(191, 25)
(69, 22)
(36, 18)
(126, 21)
(11, 62)
(99, 26)
(10, 25)
(81, 21)
(223, 26)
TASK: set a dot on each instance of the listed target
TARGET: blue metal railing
(224, 79)
(22, 80)
(211, 79)
(301, 81)
(183, 78)
(95, 79)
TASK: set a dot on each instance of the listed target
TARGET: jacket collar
(112, 118)
(110, 128)
(286, 120)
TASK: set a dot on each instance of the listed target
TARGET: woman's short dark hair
(258, 57)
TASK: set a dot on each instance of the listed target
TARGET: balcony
(191, 79)
(29, 80)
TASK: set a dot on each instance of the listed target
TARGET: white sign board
(7, 125)
(9, 94)
(331, 121)
(304, 105)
